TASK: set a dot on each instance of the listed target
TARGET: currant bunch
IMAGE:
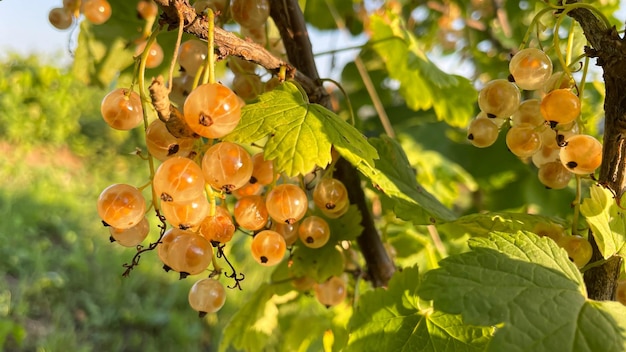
(205, 190)
(544, 129)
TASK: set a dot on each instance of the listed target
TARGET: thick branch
(290, 22)
(227, 43)
(610, 51)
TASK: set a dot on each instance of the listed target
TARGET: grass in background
(61, 287)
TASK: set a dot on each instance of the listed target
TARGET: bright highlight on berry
(121, 206)
(121, 109)
(268, 247)
(582, 154)
(499, 98)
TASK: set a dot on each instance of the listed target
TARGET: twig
(140, 249)
(238, 277)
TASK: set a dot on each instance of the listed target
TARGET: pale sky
(24, 28)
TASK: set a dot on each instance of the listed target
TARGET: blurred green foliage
(61, 287)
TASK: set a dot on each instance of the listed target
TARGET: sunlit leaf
(395, 178)
(252, 326)
(482, 224)
(300, 134)
(607, 220)
(422, 84)
(527, 285)
(392, 320)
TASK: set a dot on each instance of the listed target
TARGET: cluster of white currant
(206, 188)
(544, 129)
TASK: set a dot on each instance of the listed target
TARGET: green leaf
(317, 263)
(347, 227)
(438, 174)
(394, 177)
(607, 221)
(392, 320)
(294, 337)
(527, 286)
(422, 84)
(252, 326)
(485, 223)
(316, 13)
(300, 134)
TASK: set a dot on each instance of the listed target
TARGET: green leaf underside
(607, 221)
(347, 227)
(300, 134)
(390, 320)
(247, 330)
(317, 263)
(530, 287)
(422, 84)
(394, 177)
(481, 225)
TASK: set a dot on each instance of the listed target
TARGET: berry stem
(211, 194)
(179, 37)
(570, 44)
(583, 79)
(371, 91)
(557, 47)
(576, 205)
(217, 269)
(140, 250)
(345, 95)
(209, 72)
(592, 265)
(144, 104)
(436, 240)
(533, 24)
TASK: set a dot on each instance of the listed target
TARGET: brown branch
(227, 43)
(610, 51)
(290, 22)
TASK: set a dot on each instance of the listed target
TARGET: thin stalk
(144, 104)
(557, 46)
(437, 242)
(365, 77)
(179, 37)
(357, 47)
(209, 73)
(212, 202)
(345, 95)
(576, 204)
(570, 44)
(378, 104)
(532, 25)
